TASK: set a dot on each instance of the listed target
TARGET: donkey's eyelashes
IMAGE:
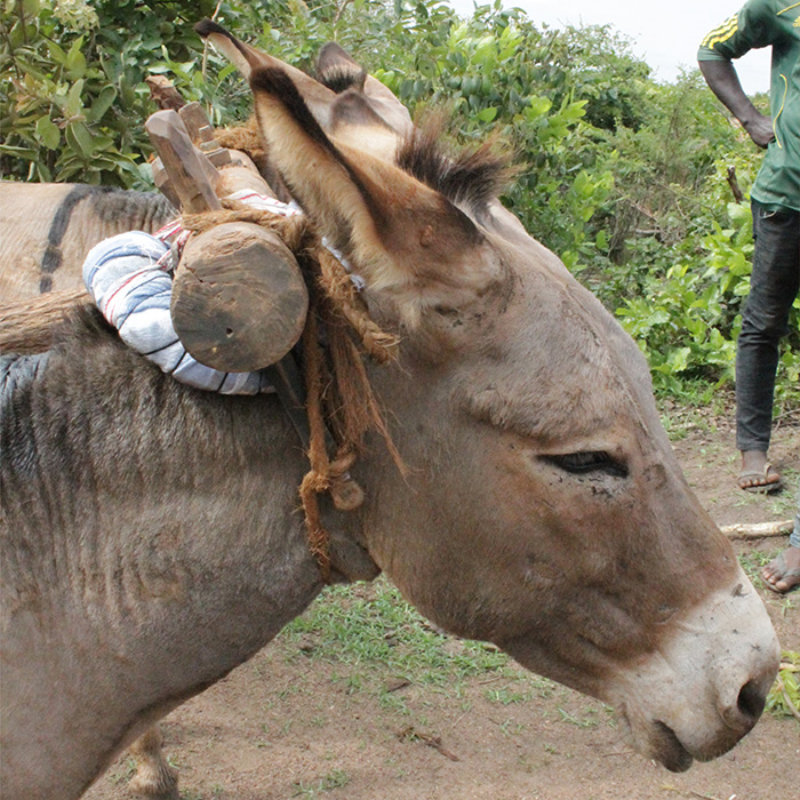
(589, 461)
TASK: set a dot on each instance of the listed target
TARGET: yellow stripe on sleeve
(722, 33)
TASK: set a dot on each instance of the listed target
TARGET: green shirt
(774, 23)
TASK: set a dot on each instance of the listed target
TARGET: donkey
(149, 537)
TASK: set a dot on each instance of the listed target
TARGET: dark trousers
(773, 286)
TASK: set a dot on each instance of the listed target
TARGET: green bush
(625, 178)
(72, 94)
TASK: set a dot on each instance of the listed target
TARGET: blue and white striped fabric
(132, 288)
(128, 276)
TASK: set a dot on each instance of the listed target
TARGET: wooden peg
(162, 182)
(163, 93)
(197, 123)
(192, 176)
(201, 132)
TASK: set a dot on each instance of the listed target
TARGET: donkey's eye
(589, 461)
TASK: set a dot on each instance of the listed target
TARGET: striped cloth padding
(130, 285)
(129, 277)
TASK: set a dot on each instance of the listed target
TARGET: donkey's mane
(472, 177)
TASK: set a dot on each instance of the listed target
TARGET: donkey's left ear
(403, 236)
(247, 59)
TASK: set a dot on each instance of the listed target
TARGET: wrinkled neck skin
(614, 584)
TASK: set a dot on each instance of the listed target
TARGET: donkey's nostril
(751, 701)
(741, 715)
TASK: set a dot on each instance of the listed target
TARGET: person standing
(775, 200)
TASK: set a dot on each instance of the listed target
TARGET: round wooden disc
(239, 301)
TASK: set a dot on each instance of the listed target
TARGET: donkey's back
(49, 228)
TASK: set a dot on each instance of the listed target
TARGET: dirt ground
(287, 725)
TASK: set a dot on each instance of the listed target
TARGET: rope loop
(339, 396)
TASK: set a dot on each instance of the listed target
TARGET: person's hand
(760, 129)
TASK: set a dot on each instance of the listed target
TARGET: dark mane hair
(471, 178)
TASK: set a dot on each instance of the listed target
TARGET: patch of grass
(524, 689)
(784, 504)
(589, 721)
(351, 683)
(506, 696)
(511, 727)
(680, 418)
(335, 779)
(373, 643)
(783, 699)
(389, 701)
(372, 626)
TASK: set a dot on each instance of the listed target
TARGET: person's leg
(773, 286)
(783, 572)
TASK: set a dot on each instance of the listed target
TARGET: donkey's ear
(404, 237)
(339, 71)
(246, 59)
(348, 104)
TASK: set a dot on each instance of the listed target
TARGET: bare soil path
(299, 721)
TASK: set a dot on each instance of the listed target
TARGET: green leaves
(72, 96)
(75, 61)
(79, 139)
(47, 133)
(624, 178)
(687, 317)
(102, 103)
(784, 696)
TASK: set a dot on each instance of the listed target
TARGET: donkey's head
(544, 510)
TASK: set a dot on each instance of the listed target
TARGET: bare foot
(757, 474)
(783, 573)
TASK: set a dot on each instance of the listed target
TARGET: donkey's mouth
(667, 748)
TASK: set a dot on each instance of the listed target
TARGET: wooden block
(163, 93)
(201, 132)
(197, 123)
(218, 156)
(239, 301)
(192, 176)
(162, 182)
(233, 179)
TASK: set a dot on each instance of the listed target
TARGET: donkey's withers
(150, 540)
